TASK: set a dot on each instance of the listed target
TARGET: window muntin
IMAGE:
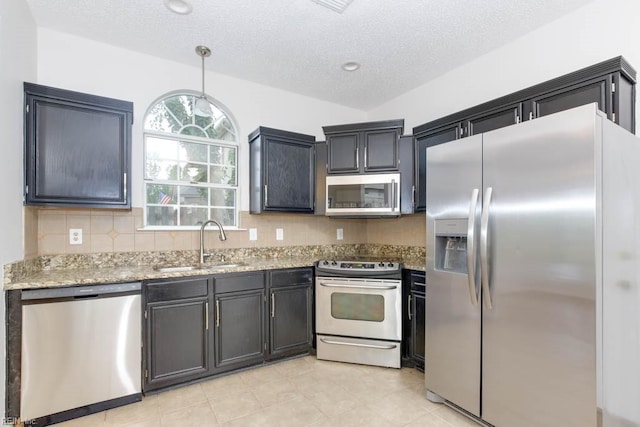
(190, 165)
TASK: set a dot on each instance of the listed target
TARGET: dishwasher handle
(81, 291)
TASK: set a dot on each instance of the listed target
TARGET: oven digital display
(357, 265)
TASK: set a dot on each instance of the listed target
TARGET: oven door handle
(336, 285)
(352, 344)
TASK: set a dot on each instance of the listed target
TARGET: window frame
(177, 137)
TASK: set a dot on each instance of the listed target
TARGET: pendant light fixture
(202, 106)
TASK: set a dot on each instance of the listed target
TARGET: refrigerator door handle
(484, 248)
(471, 246)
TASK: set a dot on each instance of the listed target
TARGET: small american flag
(163, 198)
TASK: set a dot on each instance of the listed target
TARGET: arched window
(190, 165)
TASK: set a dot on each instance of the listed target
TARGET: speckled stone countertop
(91, 269)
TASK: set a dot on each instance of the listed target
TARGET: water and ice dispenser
(451, 245)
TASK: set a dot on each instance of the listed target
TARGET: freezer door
(452, 359)
(539, 358)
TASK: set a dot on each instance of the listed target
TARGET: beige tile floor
(297, 392)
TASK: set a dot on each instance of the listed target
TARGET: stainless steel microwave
(363, 195)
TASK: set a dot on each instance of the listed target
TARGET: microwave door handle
(393, 195)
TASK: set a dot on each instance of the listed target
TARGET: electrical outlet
(339, 234)
(253, 234)
(75, 236)
(279, 234)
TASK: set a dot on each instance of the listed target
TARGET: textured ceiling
(298, 45)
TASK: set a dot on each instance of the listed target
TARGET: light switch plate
(75, 236)
(279, 234)
(253, 234)
(339, 234)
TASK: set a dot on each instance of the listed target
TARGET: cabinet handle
(217, 313)
(366, 163)
(266, 195)
(357, 157)
(124, 185)
(206, 315)
(273, 305)
(413, 196)
(409, 307)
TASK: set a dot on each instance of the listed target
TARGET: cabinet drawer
(294, 276)
(239, 282)
(176, 289)
(418, 282)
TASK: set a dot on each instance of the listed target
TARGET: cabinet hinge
(613, 87)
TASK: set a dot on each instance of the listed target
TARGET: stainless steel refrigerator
(532, 269)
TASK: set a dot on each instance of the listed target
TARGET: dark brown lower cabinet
(239, 328)
(290, 311)
(178, 334)
(414, 322)
(201, 326)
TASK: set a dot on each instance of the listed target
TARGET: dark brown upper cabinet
(610, 84)
(77, 149)
(363, 147)
(283, 170)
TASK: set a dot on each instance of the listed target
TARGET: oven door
(365, 308)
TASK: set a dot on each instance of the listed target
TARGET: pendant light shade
(202, 106)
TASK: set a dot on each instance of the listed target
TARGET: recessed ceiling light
(335, 5)
(350, 66)
(181, 7)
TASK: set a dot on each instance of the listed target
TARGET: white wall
(601, 30)
(79, 64)
(18, 59)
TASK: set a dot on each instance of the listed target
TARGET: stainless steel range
(359, 311)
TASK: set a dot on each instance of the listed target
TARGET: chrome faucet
(222, 236)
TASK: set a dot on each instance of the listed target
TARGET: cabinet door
(77, 149)
(343, 152)
(239, 321)
(289, 176)
(178, 338)
(574, 96)
(418, 313)
(422, 142)
(290, 319)
(381, 150)
(495, 119)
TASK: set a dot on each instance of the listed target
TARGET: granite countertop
(102, 268)
(93, 276)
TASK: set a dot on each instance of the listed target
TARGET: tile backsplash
(47, 232)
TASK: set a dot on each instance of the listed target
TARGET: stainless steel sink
(179, 268)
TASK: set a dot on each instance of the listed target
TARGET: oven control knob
(390, 264)
(334, 263)
(381, 264)
(325, 262)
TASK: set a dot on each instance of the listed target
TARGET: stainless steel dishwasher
(81, 348)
